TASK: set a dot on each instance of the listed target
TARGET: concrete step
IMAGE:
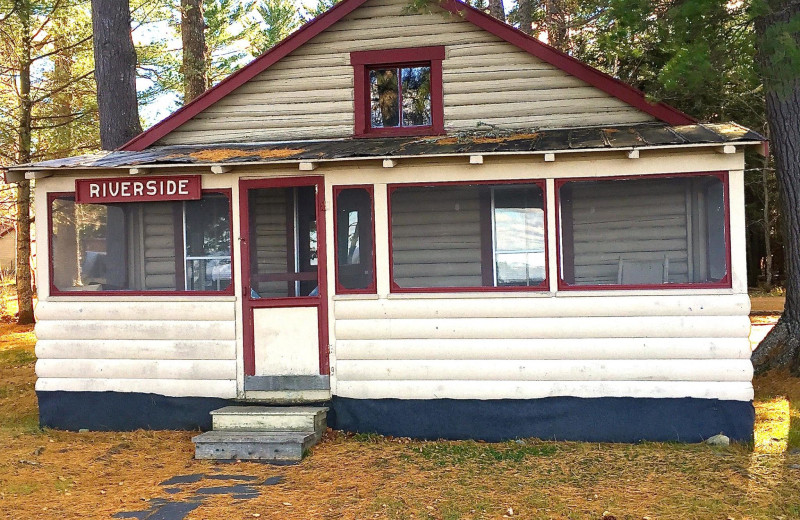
(270, 418)
(276, 447)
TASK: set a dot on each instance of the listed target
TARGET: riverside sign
(125, 189)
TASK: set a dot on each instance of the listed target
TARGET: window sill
(582, 293)
(471, 295)
(355, 296)
(141, 298)
(428, 131)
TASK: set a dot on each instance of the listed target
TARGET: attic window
(400, 97)
(398, 91)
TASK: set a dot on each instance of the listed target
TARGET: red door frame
(320, 301)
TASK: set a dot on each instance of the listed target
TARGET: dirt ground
(63, 475)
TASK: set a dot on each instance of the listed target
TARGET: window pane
(208, 244)
(283, 242)
(643, 231)
(416, 93)
(141, 246)
(450, 236)
(384, 98)
(354, 256)
(519, 235)
(520, 269)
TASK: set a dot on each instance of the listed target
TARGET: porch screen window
(283, 242)
(355, 257)
(643, 232)
(151, 246)
(400, 96)
(468, 236)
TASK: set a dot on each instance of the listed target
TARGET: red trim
(372, 288)
(544, 286)
(408, 55)
(725, 283)
(515, 37)
(55, 291)
(180, 246)
(487, 240)
(363, 61)
(320, 301)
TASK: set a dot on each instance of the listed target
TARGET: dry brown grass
(61, 475)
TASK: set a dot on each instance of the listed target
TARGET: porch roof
(484, 142)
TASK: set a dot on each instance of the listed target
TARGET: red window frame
(363, 61)
(55, 291)
(725, 283)
(372, 288)
(487, 250)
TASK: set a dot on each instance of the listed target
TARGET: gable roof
(533, 46)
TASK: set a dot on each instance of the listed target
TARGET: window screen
(152, 246)
(463, 236)
(643, 231)
(355, 267)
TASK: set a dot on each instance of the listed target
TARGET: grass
(49, 474)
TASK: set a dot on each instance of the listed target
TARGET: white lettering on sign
(123, 189)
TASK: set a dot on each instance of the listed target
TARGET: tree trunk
(115, 72)
(767, 225)
(782, 90)
(497, 10)
(23, 260)
(525, 15)
(62, 101)
(555, 22)
(195, 74)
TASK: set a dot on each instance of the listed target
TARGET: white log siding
(309, 94)
(269, 213)
(173, 348)
(436, 237)
(158, 245)
(635, 222)
(583, 346)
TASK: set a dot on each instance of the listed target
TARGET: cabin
(415, 223)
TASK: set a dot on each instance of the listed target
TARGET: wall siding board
(135, 311)
(520, 328)
(138, 368)
(545, 307)
(225, 389)
(544, 349)
(414, 389)
(152, 329)
(478, 66)
(547, 370)
(136, 349)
